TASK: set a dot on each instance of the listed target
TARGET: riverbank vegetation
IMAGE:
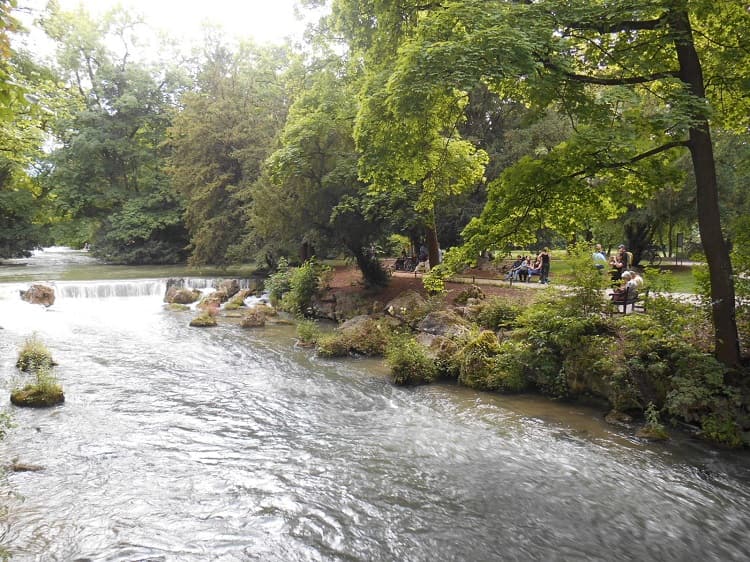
(480, 126)
(654, 366)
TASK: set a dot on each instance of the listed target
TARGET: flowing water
(179, 443)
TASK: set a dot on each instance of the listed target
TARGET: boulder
(212, 301)
(178, 295)
(405, 305)
(203, 320)
(229, 287)
(253, 318)
(39, 294)
(472, 292)
(444, 323)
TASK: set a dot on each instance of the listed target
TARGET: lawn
(681, 276)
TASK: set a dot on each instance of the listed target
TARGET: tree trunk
(433, 246)
(707, 197)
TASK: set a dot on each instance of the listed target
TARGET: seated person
(515, 268)
(632, 282)
(535, 268)
(620, 263)
(523, 269)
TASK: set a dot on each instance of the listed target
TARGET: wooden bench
(627, 298)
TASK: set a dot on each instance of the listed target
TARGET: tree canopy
(474, 124)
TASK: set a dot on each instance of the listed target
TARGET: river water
(179, 443)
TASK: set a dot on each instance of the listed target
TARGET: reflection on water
(177, 443)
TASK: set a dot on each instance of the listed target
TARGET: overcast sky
(263, 20)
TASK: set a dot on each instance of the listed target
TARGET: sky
(263, 20)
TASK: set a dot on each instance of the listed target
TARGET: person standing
(600, 260)
(620, 263)
(544, 274)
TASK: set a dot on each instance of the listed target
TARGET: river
(188, 444)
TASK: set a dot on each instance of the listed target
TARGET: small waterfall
(107, 289)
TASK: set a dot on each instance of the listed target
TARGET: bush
(332, 345)
(34, 355)
(308, 332)
(409, 362)
(586, 281)
(476, 361)
(278, 283)
(496, 313)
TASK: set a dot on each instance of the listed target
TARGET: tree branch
(620, 26)
(634, 159)
(621, 81)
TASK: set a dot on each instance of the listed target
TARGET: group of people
(619, 263)
(524, 267)
(624, 280)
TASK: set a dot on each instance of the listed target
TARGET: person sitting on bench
(633, 282)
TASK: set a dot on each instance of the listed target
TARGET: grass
(681, 276)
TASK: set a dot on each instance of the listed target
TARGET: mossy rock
(32, 396)
(652, 433)
(332, 345)
(367, 335)
(177, 307)
(470, 292)
(203, 321)
(253, 318)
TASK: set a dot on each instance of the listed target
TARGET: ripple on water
(184, 444)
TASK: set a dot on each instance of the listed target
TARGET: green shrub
(34, 355)
(476, 361)
(496, 313)
(303, 285)
(278, 283)
(720, 427)
(332, 345)
(653, 428)
(508, 371)
(308, 332)
(409, 362)
(587, 283)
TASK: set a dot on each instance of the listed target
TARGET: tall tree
(107, 172)
(228, 125)
(313, 198)
(628, 73)
(21, 138)
(399, 150)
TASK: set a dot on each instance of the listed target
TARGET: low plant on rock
(34, 355)
(44, 391)
(332, 345)
(653, 428)
(308, 332)
(408, 361)
(204, 320)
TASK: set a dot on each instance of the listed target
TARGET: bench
(629, 297)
